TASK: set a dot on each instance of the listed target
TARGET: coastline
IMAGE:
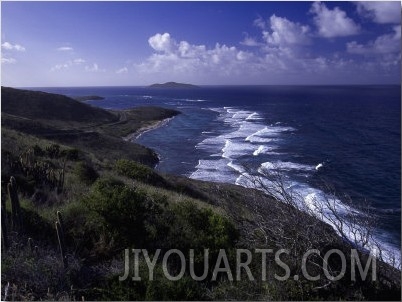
(152, 126)
(255, 220)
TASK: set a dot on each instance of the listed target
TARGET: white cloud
(9, 46)
(65, 48)
(181, 59)
(380, 11)
(68, 64)
(250, 41)
(284, 32)
(282, 57)
(94, 68)
(384, 44)
(8, 61)
(333, 23)
(122, 70)
(161, 42)
(259, 22)
(78, 61)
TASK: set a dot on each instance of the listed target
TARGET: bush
(139, 172)
(70, 154)
(148, 221)
(86, 173)
(201, 228)
(123, 211)
(38, 151)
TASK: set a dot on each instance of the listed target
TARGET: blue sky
(205, 43)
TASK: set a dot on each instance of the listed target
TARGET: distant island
(88, 98)
(173, 85)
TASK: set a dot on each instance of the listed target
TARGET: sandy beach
(154, 125)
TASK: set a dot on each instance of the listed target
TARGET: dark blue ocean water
(347, 136)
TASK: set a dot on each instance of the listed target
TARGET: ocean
(347, 137)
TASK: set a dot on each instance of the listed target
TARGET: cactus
(30, 246)
(61, 244)
(15, 204)
(60, 181)
(44, 173)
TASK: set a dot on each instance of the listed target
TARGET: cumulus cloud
(65, 48)
(250, 41)
(275, 61)
(284, 32)
(181, 58)
(8, 61)
(9, 46)
(384, 44)
(161, 42)
(333, 23)
(380, 11)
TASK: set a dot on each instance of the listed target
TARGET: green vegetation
(72, 203)
(86, 172)
(142, 173)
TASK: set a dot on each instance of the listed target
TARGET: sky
(46, 44)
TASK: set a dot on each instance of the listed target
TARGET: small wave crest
(283, 166)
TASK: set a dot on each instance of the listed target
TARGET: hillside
(79, 125)
(76, 197)
(48, 106)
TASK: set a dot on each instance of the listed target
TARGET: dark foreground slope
(108, 202)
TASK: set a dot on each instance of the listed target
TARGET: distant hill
(49, 106)
(173, 85)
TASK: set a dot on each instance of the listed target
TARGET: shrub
(201, 228)
(86, 173)
(139, 172)
(123, 210)
(38, 151)
(70, 154)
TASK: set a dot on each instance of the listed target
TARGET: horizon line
(201, 85)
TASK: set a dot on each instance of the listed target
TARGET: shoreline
(153, 126)
(156, 124)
